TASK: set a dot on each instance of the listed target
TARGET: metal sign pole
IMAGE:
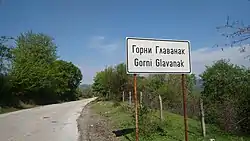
(136, 110)
(184, 92)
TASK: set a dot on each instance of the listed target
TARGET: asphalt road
(55, 122)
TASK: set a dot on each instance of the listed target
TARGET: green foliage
(36, 76)
(225, 93)
(66, 78)
(6, 97)
(99, 84)
(33, 55)
(116, 104)
(226, 96)
(5, 54)
(111, 82)
(148, 123)
(35, 47)
(86, 91)
(171, 129)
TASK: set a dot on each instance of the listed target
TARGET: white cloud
(206, 56)
(108, 52)
(104, 45)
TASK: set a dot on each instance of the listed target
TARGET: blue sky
(92, 34)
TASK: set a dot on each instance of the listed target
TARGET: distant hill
(85, 86)
(86, 90)
(199, 84)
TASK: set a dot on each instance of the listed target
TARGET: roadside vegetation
(224, 88)
(151, 128)
(32, 74)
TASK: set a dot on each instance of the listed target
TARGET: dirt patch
(93, 127)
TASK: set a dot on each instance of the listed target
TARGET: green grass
(173, 125)
(12, 109)
(7, 110)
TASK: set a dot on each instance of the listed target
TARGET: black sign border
(153, 39)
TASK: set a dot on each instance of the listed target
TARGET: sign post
(158, 56)
(184, 92)
(136, 110)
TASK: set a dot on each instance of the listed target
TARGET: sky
(91, 33)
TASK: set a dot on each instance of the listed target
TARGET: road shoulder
(93, 127)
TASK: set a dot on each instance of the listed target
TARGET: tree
(33, 55)
(237, 32)
(225, 91)
(6, 97)
(104, 83)
(121, 77)
(112, 81)
(66, 78)
(86, 92)
(98, 86)
(31, 73)
(5, 55)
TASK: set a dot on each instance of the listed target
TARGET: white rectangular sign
(157, 56)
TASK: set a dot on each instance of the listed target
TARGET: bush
(116, 104)
(148, 124)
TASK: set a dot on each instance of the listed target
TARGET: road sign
(157, 56)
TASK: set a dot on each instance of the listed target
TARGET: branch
(4, 39)
(235, 31)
